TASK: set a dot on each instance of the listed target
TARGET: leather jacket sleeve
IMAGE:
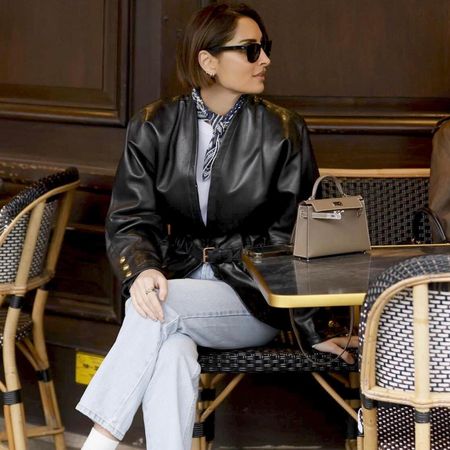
(300, 165)
(135, 233)
(295, 182)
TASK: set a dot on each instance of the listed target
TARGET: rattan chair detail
(405, 357)
(32, 226)
(390, 205)
(391, 197)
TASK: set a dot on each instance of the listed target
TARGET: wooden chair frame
(422, 399)
(34, 348)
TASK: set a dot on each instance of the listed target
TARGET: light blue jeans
(155, 364)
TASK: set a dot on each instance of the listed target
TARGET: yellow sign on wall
(86, 364)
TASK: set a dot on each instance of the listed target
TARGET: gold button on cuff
(125, 267)
(128, 274)
(122, 259)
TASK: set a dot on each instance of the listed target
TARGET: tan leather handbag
(331, 226)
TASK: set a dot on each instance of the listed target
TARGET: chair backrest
(439, 177)
(405, 347)
(32, 226)
(388, 331)
(392, 196)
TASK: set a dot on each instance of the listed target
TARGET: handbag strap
(320, 179)
(435, 223)
(300, 345)
(314, 192)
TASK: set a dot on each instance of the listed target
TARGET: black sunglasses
(253, 49)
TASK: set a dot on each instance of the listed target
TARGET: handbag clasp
(331, 215)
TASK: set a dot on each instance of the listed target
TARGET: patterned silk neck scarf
(219, 124)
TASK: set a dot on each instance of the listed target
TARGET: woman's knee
(179, 351)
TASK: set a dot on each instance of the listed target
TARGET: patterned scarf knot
(219, 124)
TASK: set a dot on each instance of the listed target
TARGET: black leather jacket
(264, 168)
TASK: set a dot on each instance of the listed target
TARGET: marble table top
(287, 281)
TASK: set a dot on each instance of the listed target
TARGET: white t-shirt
(205, 132)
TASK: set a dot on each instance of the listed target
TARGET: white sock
(98, 441)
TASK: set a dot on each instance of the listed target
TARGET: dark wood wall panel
(361, 59)
(64, 60)
(145, 69)
(359, 48)
(356, 65)
(102, 63)
(84, 285)
(370, 78)
(357, 151)
(95, 150)
(175, 15)
(48, 52)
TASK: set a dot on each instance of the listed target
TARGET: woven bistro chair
(32, 226)
(391, 196)
(405, 357)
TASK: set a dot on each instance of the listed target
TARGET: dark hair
(212, 26)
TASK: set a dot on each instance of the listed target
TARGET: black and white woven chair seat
(24, 327)
(276, 358)
(396, 428)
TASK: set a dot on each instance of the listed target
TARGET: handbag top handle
(320, 179)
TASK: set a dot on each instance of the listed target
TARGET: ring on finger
(148, 291)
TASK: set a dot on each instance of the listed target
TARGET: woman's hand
(148, 290)
(336, 345)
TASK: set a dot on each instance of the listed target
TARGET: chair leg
(50, 409)
(12, 396)
(370, 428)
(200, 432)
(360, 443)
(18, 426)
(36, 353)
(422, 432)
(353, 399)
(207, 404)
(43, 380)
(53, 413)
(8, 427)
(46, 386)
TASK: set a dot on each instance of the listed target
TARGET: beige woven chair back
(11, 250)
(405, 356)
(29, 225)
